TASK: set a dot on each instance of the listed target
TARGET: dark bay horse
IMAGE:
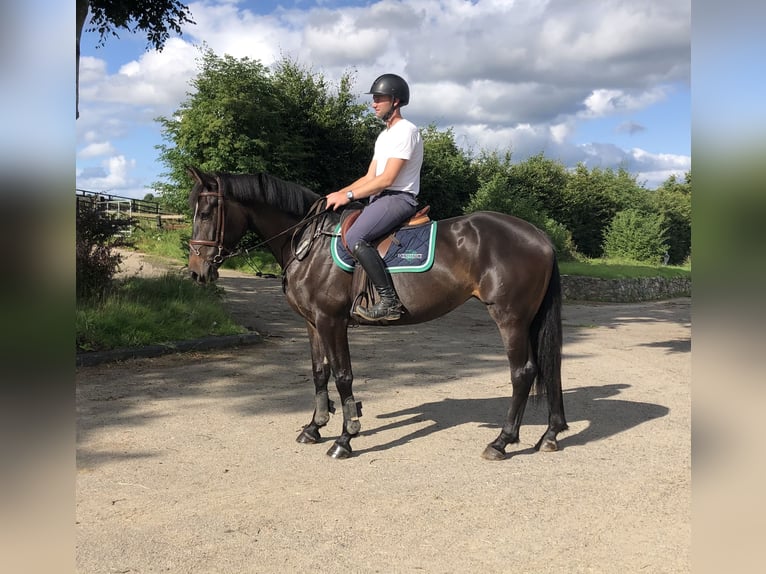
(501, 260)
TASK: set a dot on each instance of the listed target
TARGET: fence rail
(140, 209)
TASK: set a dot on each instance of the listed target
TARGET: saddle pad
(412, 250)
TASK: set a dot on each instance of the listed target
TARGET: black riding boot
(388, 308)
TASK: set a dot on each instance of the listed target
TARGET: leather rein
(224, 253)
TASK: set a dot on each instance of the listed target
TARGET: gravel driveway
(188, 462)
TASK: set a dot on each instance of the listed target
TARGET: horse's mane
(263, 188)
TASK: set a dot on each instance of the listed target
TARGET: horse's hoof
(308, 437)
(338, 451)
(548, 445)
(491, 453)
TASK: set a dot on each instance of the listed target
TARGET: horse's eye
(204, 215)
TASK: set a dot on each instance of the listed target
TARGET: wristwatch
(350, 195)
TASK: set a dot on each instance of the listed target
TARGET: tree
(592, 198)
(244, 118)
(498, 190)
(447, 180)
(636, 235)
(673, 201)
(324, 139)
(523, 190)
(97, 233)
(157, 18)
(543, 181)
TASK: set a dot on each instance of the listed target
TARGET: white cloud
(111, 177)
(96, 149)
(609, 102)
(522, 75)
(157, 79)
(559, 132)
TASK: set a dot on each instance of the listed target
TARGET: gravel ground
(188, 462)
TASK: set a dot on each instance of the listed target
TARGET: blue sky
(605, 83)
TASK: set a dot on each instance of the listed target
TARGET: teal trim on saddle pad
(396, 253)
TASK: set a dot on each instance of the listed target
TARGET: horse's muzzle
(209, 275)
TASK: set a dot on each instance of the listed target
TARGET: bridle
(219, 257)
(318, 209)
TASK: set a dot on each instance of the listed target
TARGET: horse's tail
(547, 338)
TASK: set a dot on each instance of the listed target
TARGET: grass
(143, 311)
(174, 244)
(621, 269)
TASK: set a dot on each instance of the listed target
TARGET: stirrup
(381, 311)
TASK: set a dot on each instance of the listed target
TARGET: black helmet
(391, 85)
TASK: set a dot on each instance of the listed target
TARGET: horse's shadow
(605, 416)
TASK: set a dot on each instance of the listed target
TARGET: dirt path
(188, 463)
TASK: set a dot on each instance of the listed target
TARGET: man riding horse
(392, 184)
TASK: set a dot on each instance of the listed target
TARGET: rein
(313, 214)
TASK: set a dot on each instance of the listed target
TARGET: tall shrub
(518, 190)
(673, 200)
(97, 233)
(636, 235)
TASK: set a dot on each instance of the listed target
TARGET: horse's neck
(274, 228)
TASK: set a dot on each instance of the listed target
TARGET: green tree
(244, 118)
(636, 235)
(326, 139)
(673, 202)
(522, 190)
(498, 189)
(157, 18)
(543, 180)
(592, 198)
(447, 179)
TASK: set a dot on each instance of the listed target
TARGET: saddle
(350, 216)
(365, 292)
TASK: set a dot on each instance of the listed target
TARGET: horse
(503, 261)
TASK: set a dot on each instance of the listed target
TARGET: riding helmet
(391, 85)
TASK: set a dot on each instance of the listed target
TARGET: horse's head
(218, 225)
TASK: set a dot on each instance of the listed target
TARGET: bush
(561, 238)
(498, 194)
(637, 236)
(97, 234)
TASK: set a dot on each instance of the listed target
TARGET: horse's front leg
(334, 335)
(323, 405)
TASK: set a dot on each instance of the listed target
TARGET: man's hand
(337, 199)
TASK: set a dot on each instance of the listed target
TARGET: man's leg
(377, 219)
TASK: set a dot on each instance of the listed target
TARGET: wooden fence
(137, 209)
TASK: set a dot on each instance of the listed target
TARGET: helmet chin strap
(390, 112)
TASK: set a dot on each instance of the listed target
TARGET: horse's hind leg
(523, 372)
(323, 405)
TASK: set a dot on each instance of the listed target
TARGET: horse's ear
(196, 174)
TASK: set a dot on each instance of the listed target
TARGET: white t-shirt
(402, 141)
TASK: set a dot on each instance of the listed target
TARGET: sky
(603, 83)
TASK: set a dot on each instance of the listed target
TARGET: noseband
(218, 258)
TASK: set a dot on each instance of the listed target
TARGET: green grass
(174, 244)
(619, 269)
(143, 311)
